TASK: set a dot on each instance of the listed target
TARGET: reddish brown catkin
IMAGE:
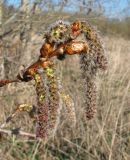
(54, 108)
(42, 110)
(90, 63)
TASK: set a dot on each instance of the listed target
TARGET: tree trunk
(1, 3)
(25, 5)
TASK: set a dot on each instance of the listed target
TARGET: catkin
(53, 99)
(42, 110)
(69, 109)
(90, 63)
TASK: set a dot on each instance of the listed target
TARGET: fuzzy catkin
(96, 49)
(53, 99)
(69, 109)
(42, 110)
(90, 63)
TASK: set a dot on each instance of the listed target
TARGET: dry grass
(106, 137)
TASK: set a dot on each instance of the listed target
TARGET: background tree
(25, 5)
(1, 4)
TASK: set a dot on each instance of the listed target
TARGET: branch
(17, 132)
(19, 78)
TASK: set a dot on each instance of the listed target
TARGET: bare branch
(13, 132)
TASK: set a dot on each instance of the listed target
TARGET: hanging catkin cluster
(60, 40)
(47, 100)
(48, 110)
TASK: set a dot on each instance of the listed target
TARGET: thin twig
(22, 133)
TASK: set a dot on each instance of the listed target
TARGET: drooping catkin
(42, 109)
(90, 63)
(53, 99)
(69, 108)
(88, 75)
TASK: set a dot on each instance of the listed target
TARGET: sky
(116, 8)
(113, 8)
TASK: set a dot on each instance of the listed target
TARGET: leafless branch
(17, 132)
